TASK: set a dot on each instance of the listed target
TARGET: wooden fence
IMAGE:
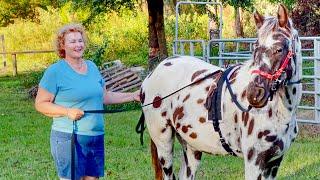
(14, 57)
(14, 54)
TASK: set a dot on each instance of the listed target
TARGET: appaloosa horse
(255, 118)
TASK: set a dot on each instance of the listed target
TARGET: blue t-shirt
(74, 90)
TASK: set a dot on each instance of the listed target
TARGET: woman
(67, 88)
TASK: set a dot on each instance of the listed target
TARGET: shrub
(31, 79)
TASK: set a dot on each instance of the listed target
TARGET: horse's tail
(155, 161)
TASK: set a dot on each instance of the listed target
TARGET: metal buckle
(275, 84)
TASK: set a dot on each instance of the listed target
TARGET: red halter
(277, 74)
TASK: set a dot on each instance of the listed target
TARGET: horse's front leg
(190, 162)
(261, 165)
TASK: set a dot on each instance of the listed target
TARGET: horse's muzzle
(257, 95)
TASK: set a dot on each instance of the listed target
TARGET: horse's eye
(278, 50)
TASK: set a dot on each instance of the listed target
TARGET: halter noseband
(276, 77)
(278, 73)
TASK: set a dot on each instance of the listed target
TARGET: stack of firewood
(120, 78)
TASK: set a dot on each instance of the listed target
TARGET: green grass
(25, 150)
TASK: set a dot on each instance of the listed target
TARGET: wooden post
(4, 51)
(14, 64)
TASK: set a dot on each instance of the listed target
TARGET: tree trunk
(157, 41)
(214, 31)
(237, 23)
(174, 4)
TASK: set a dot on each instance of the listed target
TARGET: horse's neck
(243, 77)
(239, 80)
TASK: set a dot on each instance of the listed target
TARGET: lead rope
(140, 128)
(73, 169)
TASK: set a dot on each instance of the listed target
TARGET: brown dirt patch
(309, 130)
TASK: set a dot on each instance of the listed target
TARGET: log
(117, 74)
(119, 78)
(127, 85)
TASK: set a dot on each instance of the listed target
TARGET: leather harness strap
(213, 105)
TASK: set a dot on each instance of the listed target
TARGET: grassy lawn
(25, 150)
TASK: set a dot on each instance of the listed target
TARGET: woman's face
(73, 45)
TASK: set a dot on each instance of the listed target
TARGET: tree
(21, 9)
(157, 41)
(94, 8)
(27, 9)
(97, 7)
(238, 5)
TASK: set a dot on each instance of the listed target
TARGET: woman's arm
(118, 97)
(44, 104)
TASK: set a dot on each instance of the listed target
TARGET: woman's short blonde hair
(61, 37)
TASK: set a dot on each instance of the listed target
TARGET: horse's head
(274, 57)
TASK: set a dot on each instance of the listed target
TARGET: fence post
(3, 50)
(316, 54)
(14, 64)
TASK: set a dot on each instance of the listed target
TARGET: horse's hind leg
(190, 161)
(162, 154)
(155, 161)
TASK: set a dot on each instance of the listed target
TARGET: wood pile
(119, 78)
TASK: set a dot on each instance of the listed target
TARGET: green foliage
(31, 79)
(288, 3)
(245, 4)
(95, 52)
(100, 7)
(126, 37)
(125, 106)
(21, 9)
(27, 9)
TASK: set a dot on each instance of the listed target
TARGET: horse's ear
(258, 18)
(283, 16)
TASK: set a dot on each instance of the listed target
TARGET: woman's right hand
(74, 113)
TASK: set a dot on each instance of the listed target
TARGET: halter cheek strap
(278, 73)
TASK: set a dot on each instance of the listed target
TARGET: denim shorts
(89, 156)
